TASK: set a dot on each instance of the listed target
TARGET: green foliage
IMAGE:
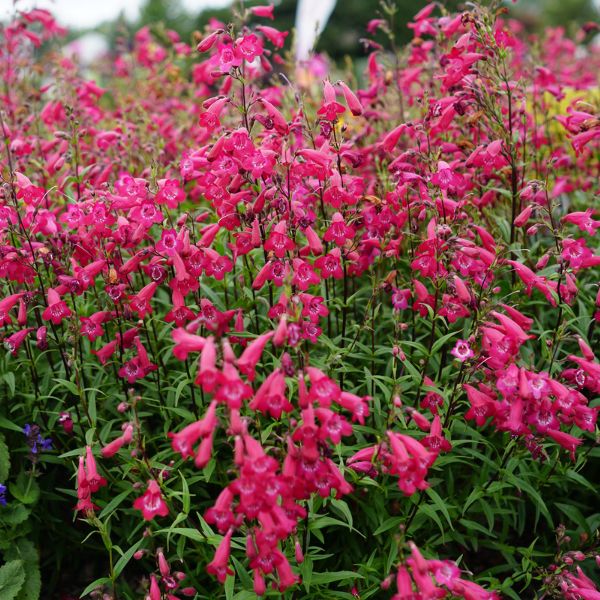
(12, 578)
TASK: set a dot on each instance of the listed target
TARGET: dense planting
(272, 331)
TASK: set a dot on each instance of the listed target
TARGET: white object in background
(311, 18)
(87, 48)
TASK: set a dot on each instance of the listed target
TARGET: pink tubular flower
(523, 216)
(567, 441)
(208, 42)
(338, 231)
(276, 37)
(281, 332)
(57, 309)
(169, 243)
(185, 343)
(219, 565)
(94, 480)
(392, 138)
(482, 405)
(265, 12)
(583, 220)
(184, 441)
(277, 119)
(241, 256)
(84, 493)
(374, 24)
(436, 441)
(13, 342)
(251, 355)
(314, 242)
(208, 376)
(462, 351)
(187, 438)
(113, 447)
(6, 305)
(204, 451)
(418, 577)
(154, 588)
(151, 503)
(279, 243)
(330, 265)
(351, 100)
(304, 275)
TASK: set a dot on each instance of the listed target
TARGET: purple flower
(2, 494)
(35, 441)
(400, 299)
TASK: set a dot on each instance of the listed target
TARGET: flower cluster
(36, 442)
(266, 496)
(167, 581)
(418, 577)
(89, 481)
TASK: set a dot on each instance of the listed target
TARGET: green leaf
(12, 578)
(4, 460)
(6, 424)
(122, 562)
(245, 579)
(441, 341)
(95, 584)
(14, 514)
(114, 503)
(245, 595)
(192, 534)
(33, 584)
(342, 507)
(540, 505)
(26, 551)
(23, 549)
(9, 377)
(412, 370)
(388, 524)
(69, 385)
(186, 495)
(229, 587)
(574, 515)
(323, 578)
(306, 571)
(25, 489)
(439, 504)
(89, 436)
(473, 526)
(427, 510)
(473, 496)
(581, 480)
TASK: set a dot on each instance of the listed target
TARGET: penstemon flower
(151, 503)
(462, 351)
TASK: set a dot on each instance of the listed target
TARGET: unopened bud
(532, 230)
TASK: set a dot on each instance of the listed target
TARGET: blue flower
(2, 495)
(35, 441)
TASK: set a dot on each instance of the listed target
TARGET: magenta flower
(151, 503)
(462, 350)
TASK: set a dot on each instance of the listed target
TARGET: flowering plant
(300, 337)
